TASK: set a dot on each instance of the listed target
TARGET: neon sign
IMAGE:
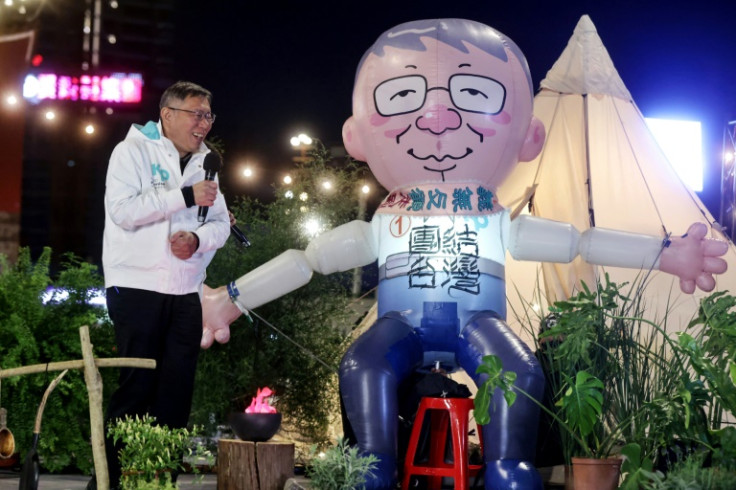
(122, 88)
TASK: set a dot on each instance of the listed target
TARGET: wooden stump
(243, 465)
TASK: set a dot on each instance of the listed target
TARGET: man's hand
(694, 259)
(183, 244)
(205, 192)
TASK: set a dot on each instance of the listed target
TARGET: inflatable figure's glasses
(471, 93)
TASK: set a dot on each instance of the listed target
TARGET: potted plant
(604, 365)
(616, 378)
(150, 452)
(579, 416)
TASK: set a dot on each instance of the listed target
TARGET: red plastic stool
(443, 412)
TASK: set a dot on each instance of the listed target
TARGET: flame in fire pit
(259, 403)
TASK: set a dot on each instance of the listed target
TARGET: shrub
(36, 331)
(340, 468)
(150, 452)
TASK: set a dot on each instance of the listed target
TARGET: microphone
(212, 164)
(240, 236)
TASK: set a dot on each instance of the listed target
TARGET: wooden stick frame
(93, 380)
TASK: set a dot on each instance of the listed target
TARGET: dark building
(65, 158)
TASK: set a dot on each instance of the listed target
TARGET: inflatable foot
(512, 474)
(384, 476)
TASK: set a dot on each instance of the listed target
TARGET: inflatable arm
(692, 257)
(348, 246)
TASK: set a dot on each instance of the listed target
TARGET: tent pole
(727, 217)
(591, 209)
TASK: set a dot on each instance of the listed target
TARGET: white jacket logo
(162, 173)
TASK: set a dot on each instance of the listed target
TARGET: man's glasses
(198, 115)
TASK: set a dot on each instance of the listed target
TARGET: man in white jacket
(155, 253)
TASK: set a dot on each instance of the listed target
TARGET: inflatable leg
(370, 373)
(510, 438)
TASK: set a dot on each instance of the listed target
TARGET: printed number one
(400, 225)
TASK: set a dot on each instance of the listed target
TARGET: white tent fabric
(596, 135)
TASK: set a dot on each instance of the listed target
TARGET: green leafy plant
(590, 348)
(150, 452)
(706, 354)
(638, 470)
(340, 467)
(497, 378)
(39, 326)
(581, 405)
(606, 332)
(693, 474)
(662, 393)
(710, 347)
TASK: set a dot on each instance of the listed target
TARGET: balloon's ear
(533, 141)
(352, 140)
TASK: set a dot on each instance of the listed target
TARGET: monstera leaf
(582, 403)
(497, 378)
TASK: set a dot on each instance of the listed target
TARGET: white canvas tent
(601, 165)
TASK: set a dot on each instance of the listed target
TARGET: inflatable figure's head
(446, 100)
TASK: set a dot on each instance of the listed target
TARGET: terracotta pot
(596, 474)
(569, 483)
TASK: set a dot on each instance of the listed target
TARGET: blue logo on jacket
(163, 175)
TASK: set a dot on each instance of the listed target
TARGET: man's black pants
(164, 327)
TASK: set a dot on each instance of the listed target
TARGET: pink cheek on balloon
(501, 118)
(379, 120)
(394, 133)
(484, 131)
(349, 136)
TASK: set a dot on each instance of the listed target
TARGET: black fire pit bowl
(256, 427)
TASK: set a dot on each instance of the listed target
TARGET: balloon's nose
(439, 118)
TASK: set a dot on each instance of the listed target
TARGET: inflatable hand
(218, 312)
(694, 259)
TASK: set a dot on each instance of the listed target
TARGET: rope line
(300, 346)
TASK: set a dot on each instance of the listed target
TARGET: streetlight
(301, 142)
(313, 226)
(248, 172)
(301, 139)
(11, 100)
(287, 179)
(89, 129)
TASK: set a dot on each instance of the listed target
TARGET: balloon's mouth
(468, 151)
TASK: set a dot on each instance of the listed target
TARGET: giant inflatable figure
(442, 111)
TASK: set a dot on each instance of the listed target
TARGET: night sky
(277, 70)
